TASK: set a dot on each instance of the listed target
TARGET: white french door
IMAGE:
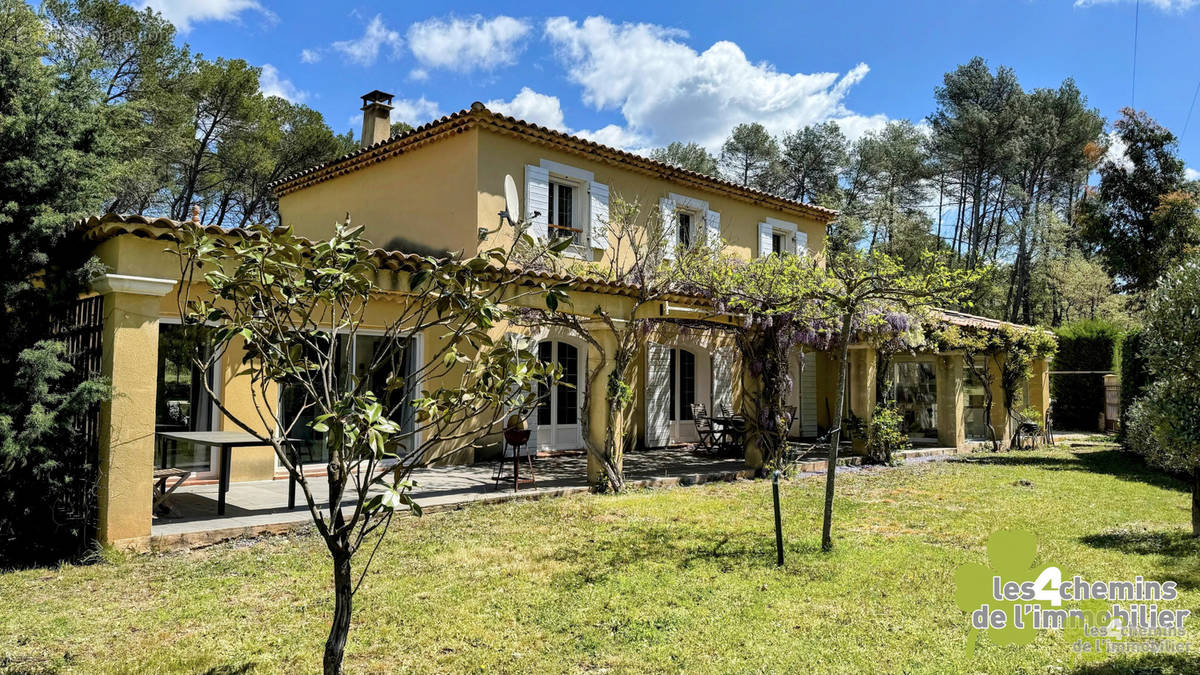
(558, 411)
(677, 377)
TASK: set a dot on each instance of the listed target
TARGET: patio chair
(162, 489)
(704, 427)
(726, 411)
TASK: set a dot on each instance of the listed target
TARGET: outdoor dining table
(730, 428)
(225, 441)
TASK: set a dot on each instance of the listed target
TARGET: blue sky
(638, 74)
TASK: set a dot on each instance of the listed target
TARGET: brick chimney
(377, 117)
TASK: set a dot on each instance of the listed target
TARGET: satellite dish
(512, 207)
(512, 202)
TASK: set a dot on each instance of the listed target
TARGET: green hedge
(1082, 345)
(1135, 376)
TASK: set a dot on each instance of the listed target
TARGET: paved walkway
(261, 506)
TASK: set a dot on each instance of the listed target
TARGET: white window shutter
(722, 379)
(712, 221)
(537, 200)
(658, 395)
(599, 235)
(808, 395)
(666, 210)
(801, 243)
(764, 239)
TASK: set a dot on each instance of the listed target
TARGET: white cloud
(310, 55)
(183, 13)
(546, 110)
(1191, 174)
(365, 50)
(532, 107)
(667, 91)
(616, 136)
(1117, 152)
(1164, 5)
(418, 74)
(465, 45)
(271, 84)
(415, 112)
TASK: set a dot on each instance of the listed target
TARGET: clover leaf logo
(1011, 556)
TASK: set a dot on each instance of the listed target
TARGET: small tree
(860, 290)
(639, 258)
(294, 305)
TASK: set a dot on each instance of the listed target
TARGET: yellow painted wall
(422, 201)
(501, 154)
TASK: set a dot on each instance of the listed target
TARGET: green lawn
(653, 581)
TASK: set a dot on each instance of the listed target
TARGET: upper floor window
(566, 201)
(564, 219)
(685, 229)
(779, 237)
(687, 222)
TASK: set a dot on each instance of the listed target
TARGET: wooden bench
(161, 488)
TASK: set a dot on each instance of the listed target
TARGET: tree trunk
(1196, 502)
(343, 594)
(836, 437)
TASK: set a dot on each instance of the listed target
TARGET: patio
(260, 507)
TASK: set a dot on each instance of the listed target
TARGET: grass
(652, 581)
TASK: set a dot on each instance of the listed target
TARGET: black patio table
(731, 428)
(226, 441)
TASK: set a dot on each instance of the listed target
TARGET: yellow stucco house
(432, 190)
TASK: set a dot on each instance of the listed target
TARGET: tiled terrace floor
(261, 506)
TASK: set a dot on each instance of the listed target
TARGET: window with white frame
(777, 241)
(565, 219)
(688, 221)
(779, 237)
(566, 201)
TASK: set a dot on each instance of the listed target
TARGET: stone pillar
(952, 431)
(598, 408)
(1039, 387)
(130, 361)
(863, 363)
(1000, 418)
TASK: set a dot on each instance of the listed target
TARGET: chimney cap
(376, 96)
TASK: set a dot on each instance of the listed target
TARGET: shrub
(1164, 426)
(1172, 401)
(1138, 425)
(886, 435)
(1135, 375)
(1082, 345)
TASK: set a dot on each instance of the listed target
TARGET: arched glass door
(558, 406)
(683, 390)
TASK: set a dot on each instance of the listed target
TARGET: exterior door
(804, 377)
(558, 410)
(684, 385)
(182, 402)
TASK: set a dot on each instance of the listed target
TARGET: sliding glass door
(364, 356)
(182, 403)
